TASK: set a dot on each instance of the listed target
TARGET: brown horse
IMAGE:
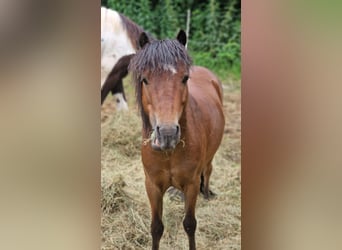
(183, 123)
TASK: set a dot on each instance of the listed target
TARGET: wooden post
(188, 14)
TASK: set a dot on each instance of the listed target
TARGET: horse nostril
(167, 130)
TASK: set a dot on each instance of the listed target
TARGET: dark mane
(154, 57)
(133, 30)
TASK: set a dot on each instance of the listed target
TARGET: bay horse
(183, 124)
(119, 40)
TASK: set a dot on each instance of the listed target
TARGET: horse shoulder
(205, 83)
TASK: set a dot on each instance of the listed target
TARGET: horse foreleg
(189, 222)
(155, 196)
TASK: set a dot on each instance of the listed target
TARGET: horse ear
(143, 39)
(181, 37)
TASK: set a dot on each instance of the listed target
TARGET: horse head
(161, 71)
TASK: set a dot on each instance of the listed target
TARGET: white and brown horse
(119, 42)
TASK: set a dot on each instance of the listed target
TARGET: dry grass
(125, 219)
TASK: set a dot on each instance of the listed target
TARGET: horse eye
(144, 81)
(185, 79)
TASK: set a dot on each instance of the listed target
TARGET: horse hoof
(212, 194)
(209, 196)
(175, 194)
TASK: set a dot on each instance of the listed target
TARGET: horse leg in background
(106, 88)
(205, 177)
(119, 96)
(189, 222)
(114, 83)
(110, 83)
(155, 196)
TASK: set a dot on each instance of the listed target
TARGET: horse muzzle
(166, 137)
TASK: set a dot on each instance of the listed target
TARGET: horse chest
(175, 168)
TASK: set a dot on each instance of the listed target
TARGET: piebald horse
(119, 41)
(183, 124)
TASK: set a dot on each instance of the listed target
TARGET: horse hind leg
(205, 177)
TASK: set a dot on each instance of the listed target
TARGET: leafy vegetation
(214, 34)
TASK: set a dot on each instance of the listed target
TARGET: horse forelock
(157, 57)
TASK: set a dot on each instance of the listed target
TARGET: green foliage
(214, 38)
(167, 23)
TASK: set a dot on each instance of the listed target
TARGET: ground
(125, 221)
